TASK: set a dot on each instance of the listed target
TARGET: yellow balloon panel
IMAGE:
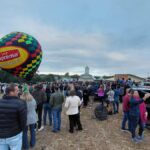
(12, 56)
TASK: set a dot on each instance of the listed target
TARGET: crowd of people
(26, 108)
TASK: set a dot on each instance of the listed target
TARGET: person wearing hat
(31, 118)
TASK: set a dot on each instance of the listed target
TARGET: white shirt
(72, 103)
(111, 94)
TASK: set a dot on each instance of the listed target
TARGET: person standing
(79, 94)
(91, 93)
(126, 108)
(143, 121)
(72, 103)
(101, 94)
(111, 100)
(13, 117)
(134, 112)
(56, 102)
(116, 99)
(40, 97)
(85, 96)
(122, 91)
(47, 107)
(31, 118)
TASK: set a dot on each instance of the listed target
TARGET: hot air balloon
(20, 54)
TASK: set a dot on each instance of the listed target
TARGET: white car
(145, 85)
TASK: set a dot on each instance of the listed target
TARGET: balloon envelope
(20, 54)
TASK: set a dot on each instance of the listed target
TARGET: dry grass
(96, 135)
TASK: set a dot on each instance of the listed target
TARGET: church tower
(87, 70)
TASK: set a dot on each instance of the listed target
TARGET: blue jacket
(134, 107)
(116, 96)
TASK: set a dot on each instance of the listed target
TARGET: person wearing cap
(13, 117)
(31, 118)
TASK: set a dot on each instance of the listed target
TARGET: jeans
(125, 119)
(120, 98)
(56, 113)
(141, 128)
(32, 136)
(85, 100)
(12, 143)
(65, 93)
(39, 112)
(134, 120)
(47, 109)
(91, 99)
(116, 106)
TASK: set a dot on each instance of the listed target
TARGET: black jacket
(13, 116)
(39, 96)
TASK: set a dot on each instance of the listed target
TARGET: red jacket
(142, 107)
(125, 103)
(143, 111)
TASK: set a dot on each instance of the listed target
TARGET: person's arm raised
(146, 96)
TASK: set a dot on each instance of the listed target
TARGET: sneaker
(80, 129)
(71, 131)
(58, 129)
(140, 138)
(54, 131)
(124, 130)
(135, 140)
(40, 129)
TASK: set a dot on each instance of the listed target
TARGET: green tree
(66, 74)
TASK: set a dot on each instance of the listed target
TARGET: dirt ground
(97, 135)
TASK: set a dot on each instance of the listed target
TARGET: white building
(86, 76)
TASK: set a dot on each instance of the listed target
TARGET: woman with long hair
(31, 118)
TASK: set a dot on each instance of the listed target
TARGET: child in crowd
(111, 100)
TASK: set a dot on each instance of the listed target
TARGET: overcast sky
(110, 36)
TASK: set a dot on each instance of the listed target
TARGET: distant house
(112, 79)
(127, 76)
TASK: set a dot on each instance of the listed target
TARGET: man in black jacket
(13, 116)
(40, 97)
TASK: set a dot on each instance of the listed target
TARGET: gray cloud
(71, 51)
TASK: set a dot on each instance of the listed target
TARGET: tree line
(6, 77)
